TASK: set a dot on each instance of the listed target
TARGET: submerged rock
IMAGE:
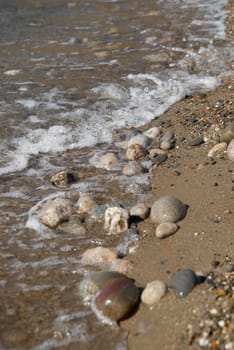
(109, 159)
(135, 152)
(86, 204)
(141, 140)
(99, 256)
(55, 211)
(133, 168)
(153, 292)
(62, 179)
(168, 209)
(117, 299)
(116, 220)
(183, 282)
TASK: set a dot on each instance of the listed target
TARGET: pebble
(133, 168)
(227, 134)
(135, 152)
(62, 179)
(55, 211)
(109, 159)
(168, 135)
(212, 135)
(166, 229)
(94, 282)
(160, 158)
(183, 282)
(99, 256)
(141, 140)
(121, 265)
(140, 210)
(230, 151)
(152, 132)
(116, 220)
(166, 144)
(153, 292)
(116, 300)
(217, 150)
(167, 209)
(86, 204)
(196, 141)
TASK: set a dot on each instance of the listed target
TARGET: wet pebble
(116, 220)
(109, 159)
(153, 292)
(116, 300)
(140, 210)
(55, 211)
(86, 204)
(141, 140)
(135, 152)
(183, 282)
(167, 209)
(62, 179)
(217, 150)
(230, 150)
(99, 256)
(152, 132)
(133, 168)
(166, 229)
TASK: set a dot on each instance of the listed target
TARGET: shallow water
(72, 75)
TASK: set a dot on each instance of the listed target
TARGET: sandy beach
(204, 242)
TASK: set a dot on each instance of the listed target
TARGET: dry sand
(206, 235)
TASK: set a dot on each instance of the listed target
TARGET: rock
(116, 300)
(135, 152)
(159, 158)
(196, 141)
(116, 220)
(99, 256)
(121, 265)
(94, 282)
(227, 134)
(98, 212)
(230, 150)
(109, 159)
(72, 228)
(122, 144)
(152, 133)
(212, 135)
(156, 151)
(168, 136)
(166, 229)
(133, 168)
(140, 210)
(166, 144)
(183, 282)
(62, 179)
(217, 150)
(153, 292)
(55, 211)
(141, 140)
(167, 209)
(86, 204)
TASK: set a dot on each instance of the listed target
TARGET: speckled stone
(167, 209)
(153, 292)
(109, 159)
(116, 220)
(135, 152)
(62, 179)
(86, 204)
(55, 211)
(217, 150)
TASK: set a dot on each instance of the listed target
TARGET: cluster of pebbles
(215, 330)
(111, 294)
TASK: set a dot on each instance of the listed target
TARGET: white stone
(166, 229)
(140, 210)
(152, 132)
(141, 140)
(109, 159)
(116, 220)
(55, 211)
(86, 204)
(153, 292)
(230, 150)
(99, 256)
(217, 150)
(167, 209)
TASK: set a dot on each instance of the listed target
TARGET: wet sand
(205, 236)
